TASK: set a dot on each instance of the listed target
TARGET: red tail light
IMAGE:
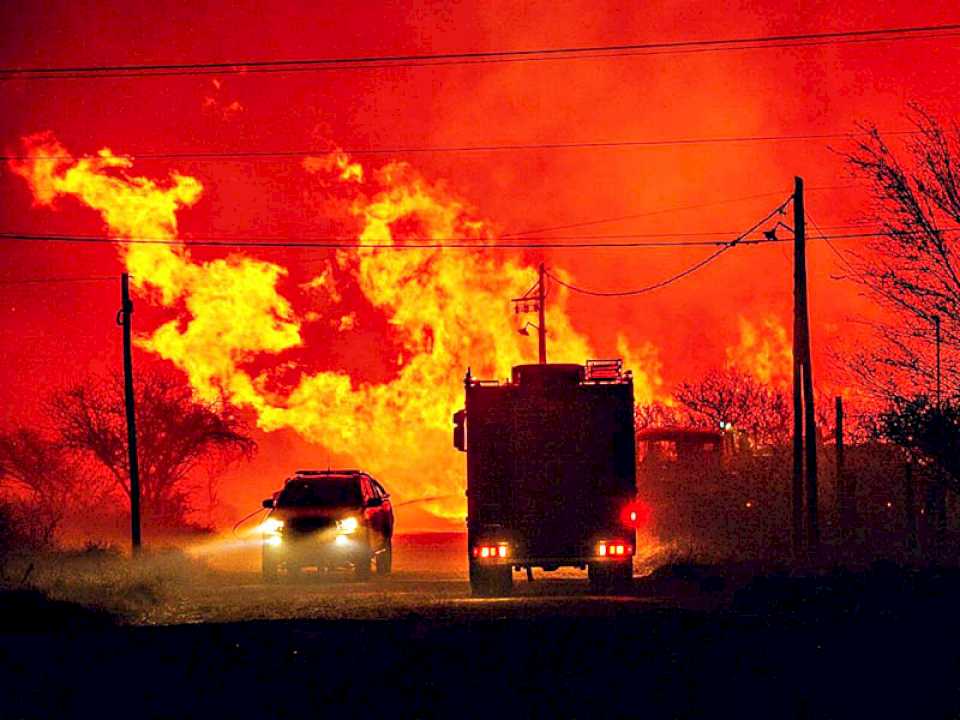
(613, 548)
(635, 514)
(491, 551)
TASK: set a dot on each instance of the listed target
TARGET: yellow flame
(449, 309)
(335, 160)
(764, 350)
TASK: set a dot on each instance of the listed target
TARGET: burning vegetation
(240, 328)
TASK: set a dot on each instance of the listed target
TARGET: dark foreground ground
(687, 642)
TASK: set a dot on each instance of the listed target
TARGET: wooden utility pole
(123, 319)
(810, 417)
(535, 300)
(542, 318)
(843, 501)
(804, 417)
(797, 479)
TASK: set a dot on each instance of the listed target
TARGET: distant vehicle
(551, 473)
(328, 519)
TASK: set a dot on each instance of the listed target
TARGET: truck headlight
(348, 525)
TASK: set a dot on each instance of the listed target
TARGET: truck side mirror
(459, 431)
(268, 503)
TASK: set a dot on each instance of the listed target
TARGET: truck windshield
(331, 491)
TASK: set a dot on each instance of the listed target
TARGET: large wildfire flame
(449, 309)
(764, 350)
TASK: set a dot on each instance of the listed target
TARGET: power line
(57, 280)
(256, 155)
(678, 276)
(498, 56)
(651, 213)
(425, 244)
(843, 260)
(417, 244)
(350, 240)
(433, 64)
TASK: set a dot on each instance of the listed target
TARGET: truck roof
(547, 375)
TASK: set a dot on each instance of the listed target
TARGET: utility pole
(123, 319)
(843, 501)
(535, 300)
(542, 318)
(797, 478)
(810, 430)
(936, 323)
(804, 417)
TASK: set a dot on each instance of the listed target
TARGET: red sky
(57, 333)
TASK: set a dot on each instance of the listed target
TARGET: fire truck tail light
(500, 550)
(606, 548)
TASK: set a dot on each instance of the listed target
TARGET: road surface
(417, 645)
(429, 581)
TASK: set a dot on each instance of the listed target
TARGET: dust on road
(429, 581)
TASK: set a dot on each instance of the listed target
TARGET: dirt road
(883, 644)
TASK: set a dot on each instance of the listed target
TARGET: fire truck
(551, 473)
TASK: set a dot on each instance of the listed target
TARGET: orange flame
(764, 351)
(448, 307)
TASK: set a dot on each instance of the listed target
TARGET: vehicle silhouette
(328, 519)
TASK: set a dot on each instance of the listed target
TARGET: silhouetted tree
(177, 437)
(656, 415)
(732, 396)
(926, 431)
(911, 267)
(40, 484)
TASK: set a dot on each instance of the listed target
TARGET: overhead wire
(256, 155)
(824, 237)
(430, 244)
(651, 213)
(417, 244)
(678, 276)
(57, 280)
(244, 71)
(933, 31)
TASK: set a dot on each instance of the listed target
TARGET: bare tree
(735, 398)
(657, 415)
(39, 479)
(178, 437)
(911, 267)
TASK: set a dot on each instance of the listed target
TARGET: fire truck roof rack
(327, 472)
(604, 370)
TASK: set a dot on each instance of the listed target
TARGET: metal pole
(542, 324)
(123, 318)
